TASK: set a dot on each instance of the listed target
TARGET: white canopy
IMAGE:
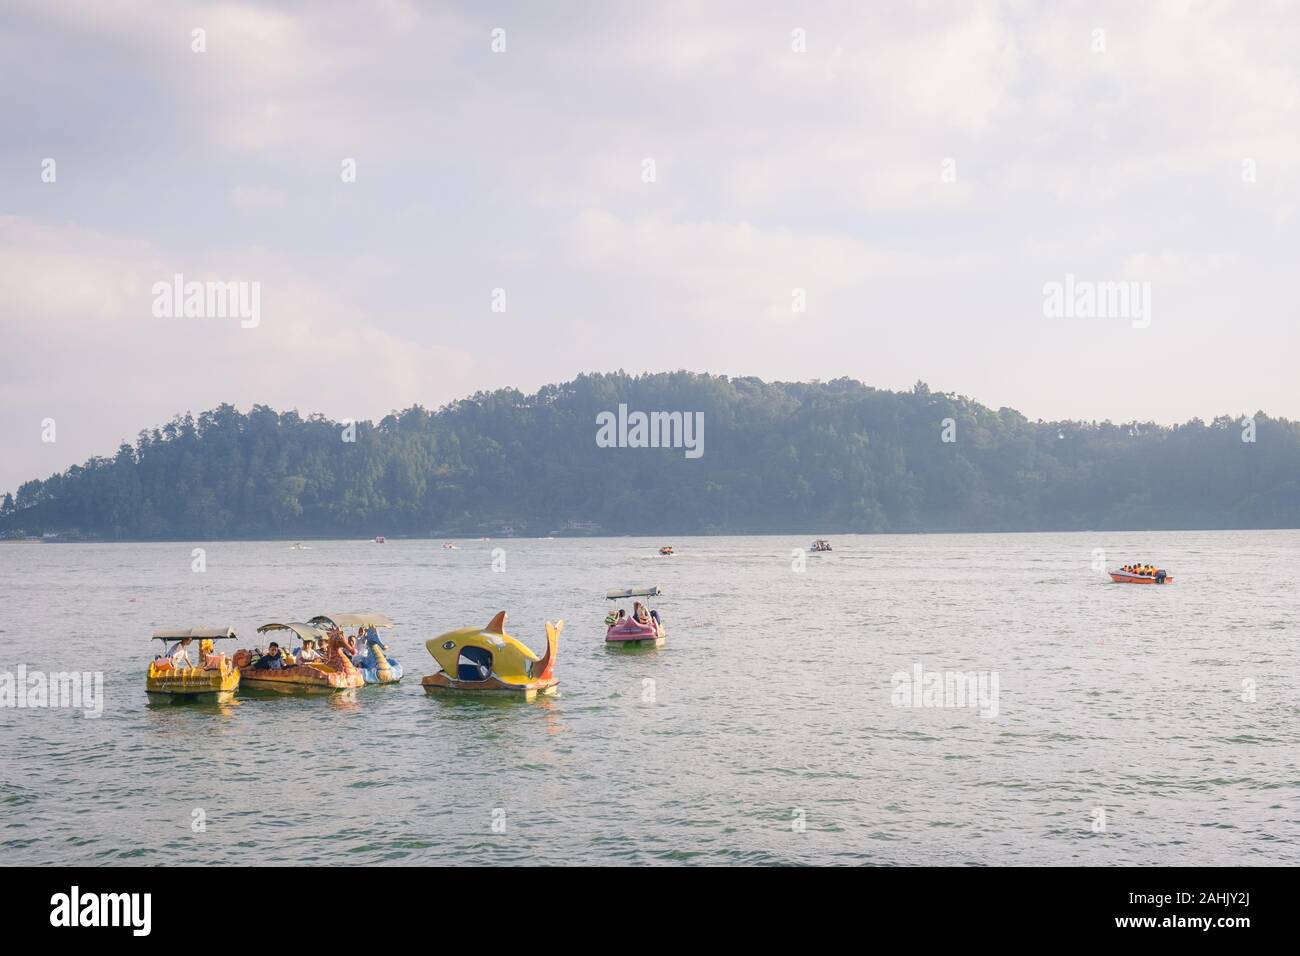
(202, 633)
(308, 632)
(617, 594)
(352, 620)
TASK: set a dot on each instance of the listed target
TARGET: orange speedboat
(1128, 577)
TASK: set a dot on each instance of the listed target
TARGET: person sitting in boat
(207, 659)
(308, 652)
(272, 660)
(654, 616)
(367, 639)
(179, 653)
(640, 613)
(611, 618)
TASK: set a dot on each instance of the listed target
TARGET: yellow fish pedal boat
(196, 672)
(488, 660)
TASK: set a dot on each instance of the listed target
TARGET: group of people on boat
(179, 655)
(359, 649)
(1146, 570)
(640, 613)
(275, 657)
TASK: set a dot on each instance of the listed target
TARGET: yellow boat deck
(163, 678)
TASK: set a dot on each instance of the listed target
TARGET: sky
(795, 191)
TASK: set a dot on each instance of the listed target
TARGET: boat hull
(190, 682)
(493, 686)
(301, 678)
(377, 668)
(335, 672)
(1123, 577)
(657, 641)
(391, 675)
(635, 635)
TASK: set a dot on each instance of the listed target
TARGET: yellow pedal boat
(197, 670)
(488, 660)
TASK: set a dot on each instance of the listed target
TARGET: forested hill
(790, 457)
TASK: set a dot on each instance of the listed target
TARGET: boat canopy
(351, 620)
(202, 633)
(619, 594)
(308, 632)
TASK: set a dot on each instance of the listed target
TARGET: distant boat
(666, 550)
(626, 631)
(299, 546)
(448, 546)
(380, 539)
(821, 544)
(1127, 577)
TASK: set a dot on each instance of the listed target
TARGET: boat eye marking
(448, 645)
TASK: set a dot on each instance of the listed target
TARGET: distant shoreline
(652, 536)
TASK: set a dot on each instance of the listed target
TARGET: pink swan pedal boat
(627, 631)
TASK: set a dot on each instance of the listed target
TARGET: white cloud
(257, 198)
(80, 334)
(777, 171)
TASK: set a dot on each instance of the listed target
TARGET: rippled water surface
(763, 732)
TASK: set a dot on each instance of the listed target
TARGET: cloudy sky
(919, 170)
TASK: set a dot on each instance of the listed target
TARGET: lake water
(767, 730)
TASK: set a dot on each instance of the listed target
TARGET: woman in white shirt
(179, 653)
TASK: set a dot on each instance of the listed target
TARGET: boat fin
(546, 665)
(498, 624)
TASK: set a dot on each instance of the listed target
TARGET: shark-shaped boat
(488, 660)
